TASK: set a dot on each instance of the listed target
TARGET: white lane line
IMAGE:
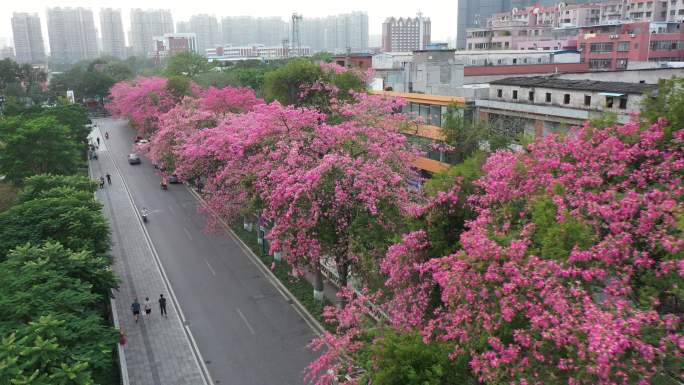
(187, 233)
(251, 330)
(210, 268)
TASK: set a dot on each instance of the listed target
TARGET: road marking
(210, 268)
(187, 233)
(171, 209)
(251, 330)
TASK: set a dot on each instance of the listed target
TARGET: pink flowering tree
(144, 100)
(334, 190)
(141, 101)
(570, 272)
(193, 114)
(228, 100)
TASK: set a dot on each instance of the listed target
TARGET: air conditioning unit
(632, 35)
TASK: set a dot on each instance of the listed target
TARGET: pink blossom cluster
(602, 314)
(142, 101)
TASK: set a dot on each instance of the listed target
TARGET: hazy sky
(442, 13)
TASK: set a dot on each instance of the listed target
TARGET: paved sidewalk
(158, 351)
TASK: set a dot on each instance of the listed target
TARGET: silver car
(133, 159)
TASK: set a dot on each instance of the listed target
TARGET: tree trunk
(318, 284)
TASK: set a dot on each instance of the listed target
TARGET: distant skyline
(442, 13)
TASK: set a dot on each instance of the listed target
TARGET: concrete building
(540, 105)
(111, 29)
(173, 43)
(433, 72)
(254, 52)
(28, 38)
(615, 46)
(336, 33)
(361, 61)
(409, 34)
(72, 34)
(146, 25)
(206, 28)
(247, 30)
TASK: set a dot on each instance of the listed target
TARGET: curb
(313, 323)
(123, 366)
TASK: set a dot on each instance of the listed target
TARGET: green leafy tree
(36, 186)
(186, 64)
(466, 135)
(36, 146)
(179, 87)
(74, 116)
(73, 219)
(52, 317)
(285, 83)
(403, 359)
(667, 102)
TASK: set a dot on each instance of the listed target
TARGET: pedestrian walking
(135, 306)
(101, 182)
(162, 305)
(148, 307)
(98, 141)
(109, 179)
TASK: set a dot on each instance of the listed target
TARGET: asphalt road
(246, 331)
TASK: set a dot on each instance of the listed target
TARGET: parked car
(173, 179)
(133, 159)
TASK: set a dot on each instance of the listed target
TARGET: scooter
(143, 214)
(106, 135)
(164, 186)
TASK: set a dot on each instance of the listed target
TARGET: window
(499, 93)
(515, 94)
(621, 64)
(609, 102)
(600, 63)
(548, 97)
(530, 96)
(623, 46)
(601, 47)
(587, 100)
(436, 115)
(566, 99)
(623, 103)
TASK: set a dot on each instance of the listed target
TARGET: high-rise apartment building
(474, 14)
(28, 38)
(403, 35)
(205, 27)
(111, 28)
(183, 27)
(246, 30)
(145, 26)
(72, 34)
(336, 33)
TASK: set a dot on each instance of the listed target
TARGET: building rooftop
(513, 52)
(578, 85)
